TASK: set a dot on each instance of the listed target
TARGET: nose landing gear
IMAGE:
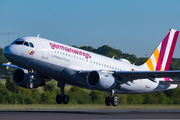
(30, 84)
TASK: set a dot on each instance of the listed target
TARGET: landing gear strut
(112, 100)
(30, 84)
(62, 98)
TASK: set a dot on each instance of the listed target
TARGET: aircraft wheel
(108, 101)
(115, 101)
(65, 99)
(29, 85)
(59, 99)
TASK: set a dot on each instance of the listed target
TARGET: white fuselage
(51, 58)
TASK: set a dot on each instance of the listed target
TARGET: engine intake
(21, 77)
(101, 81)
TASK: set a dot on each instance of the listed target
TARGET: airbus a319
(38, 60)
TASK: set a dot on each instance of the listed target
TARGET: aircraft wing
(151, 75)
(84, 73)
(148, 74)
(170, 82)
(8, 65)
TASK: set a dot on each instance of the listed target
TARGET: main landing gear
(62, 98)
(112, 100)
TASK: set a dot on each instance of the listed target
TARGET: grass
(3, 81)
(81, 106)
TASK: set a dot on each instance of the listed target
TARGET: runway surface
(88, 114)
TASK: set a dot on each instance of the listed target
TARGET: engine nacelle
(101, 81)
(21, 77)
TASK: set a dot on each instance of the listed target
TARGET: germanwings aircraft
(39, 60)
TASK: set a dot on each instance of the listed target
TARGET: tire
(108, 101)
(115, 101)
(65, 99)
(31, 85)
(59, 99)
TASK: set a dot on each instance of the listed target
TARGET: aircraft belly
(71, 73)
(137, 86)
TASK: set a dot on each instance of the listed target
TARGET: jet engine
(102, 81)
(21, 77)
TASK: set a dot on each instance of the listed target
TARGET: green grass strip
(82, 106)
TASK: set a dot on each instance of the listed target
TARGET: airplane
(38, 60)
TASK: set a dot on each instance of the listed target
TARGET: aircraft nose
(8, 52)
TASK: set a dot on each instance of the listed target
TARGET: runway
(88, 114)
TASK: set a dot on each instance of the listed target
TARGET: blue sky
(133, 26)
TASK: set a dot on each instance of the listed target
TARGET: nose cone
(8, 52)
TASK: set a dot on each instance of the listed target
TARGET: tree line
(13, 94)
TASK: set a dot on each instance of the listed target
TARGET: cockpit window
(26, 43)
(31, 45)
(15, 41)
(19, 42)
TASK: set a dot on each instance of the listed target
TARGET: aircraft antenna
(38, 35)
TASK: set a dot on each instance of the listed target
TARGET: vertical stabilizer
(161, 58)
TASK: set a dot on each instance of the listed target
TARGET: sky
(133, 26)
